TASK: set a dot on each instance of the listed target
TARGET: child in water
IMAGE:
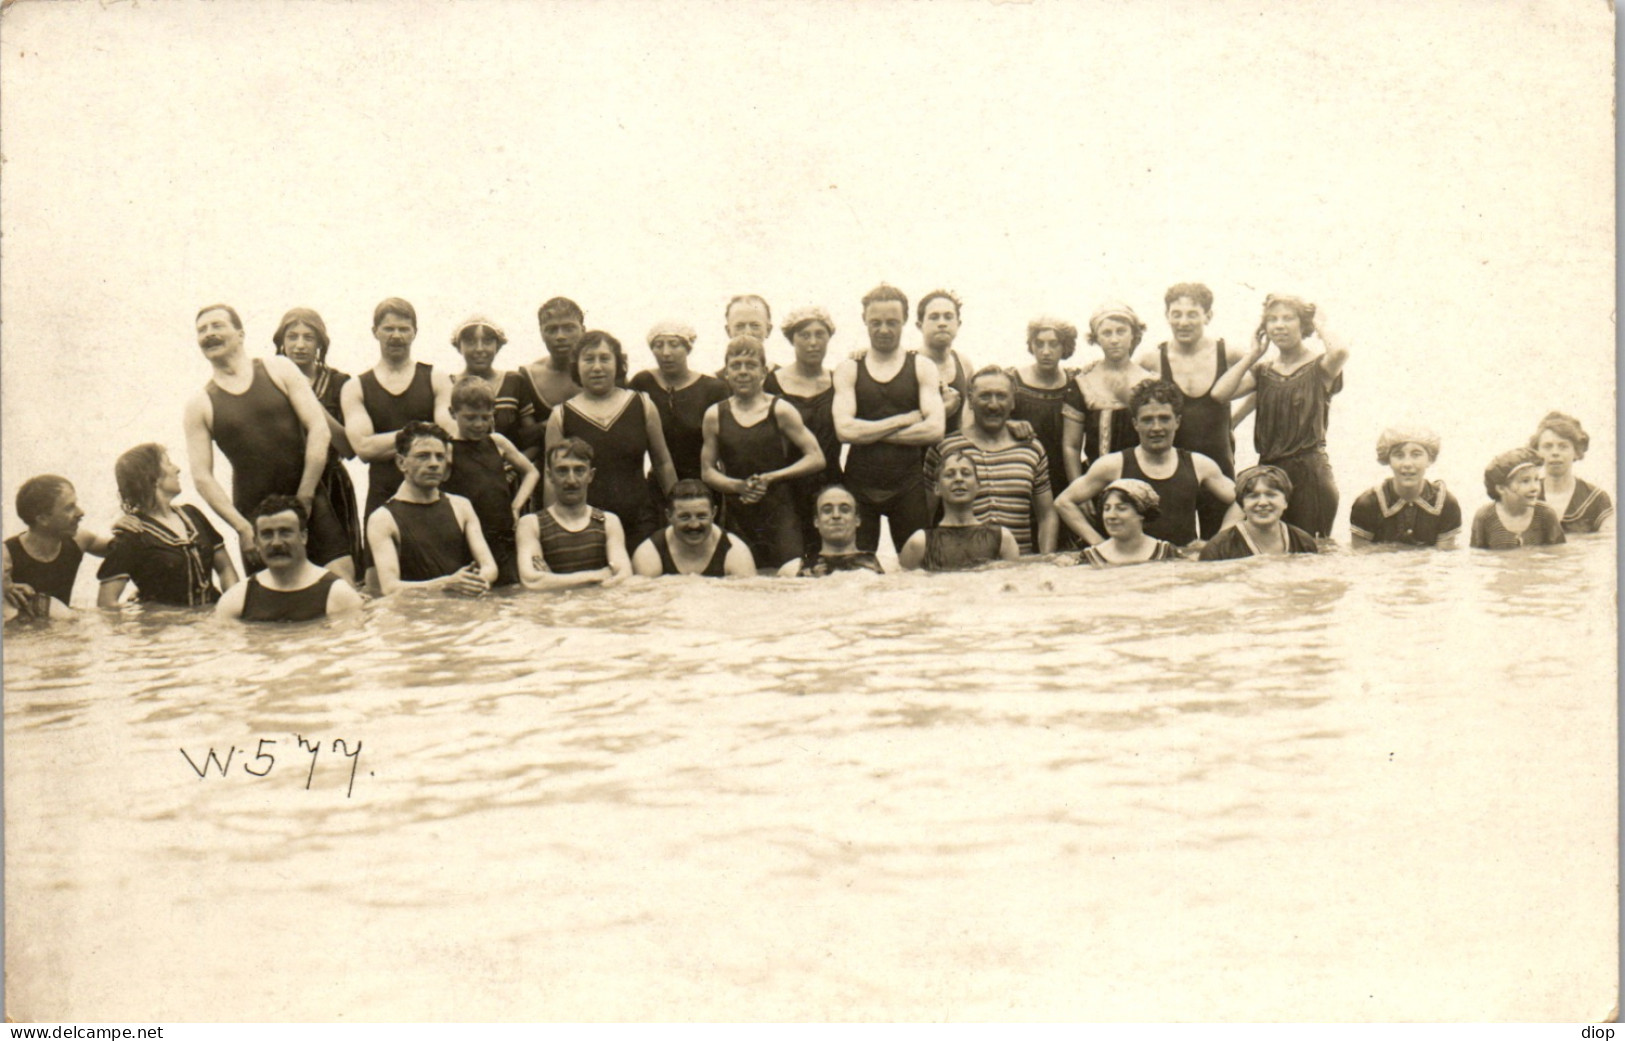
(1517, 517)
(480, 461)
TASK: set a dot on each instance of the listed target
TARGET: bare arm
(1049, 523)
(225, 569)
(369, 445)
(710, 473)
(230, 605)
(912, 556)
(528, 474)
(199, 422)
(933, 421)
(18, 594)
(312, 416)
(738, 563)
(92, 543)
(1069, 505)
(1238, 379)
(1072, 447)
(1009, 549)
(441, 383)
(844, 410)
(1337, 349)
(812, 457)
(659, 454)
(1212, 479)
(537, 577)
(554, 435)
(1244, 407)
(109, 592)
(483, 560)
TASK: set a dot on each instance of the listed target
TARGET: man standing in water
(562, 324)
(421, 538)
(1013, 490)
(938, 321)
(1193, 362)
(385, 398)
(291, 588)
(889, 409)
(1181, 479)
(267, 421)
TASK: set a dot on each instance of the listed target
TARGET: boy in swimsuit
(481, 462)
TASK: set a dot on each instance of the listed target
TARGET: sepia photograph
(720, 511)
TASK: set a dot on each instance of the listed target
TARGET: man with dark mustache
(269, 424)
(291, 588)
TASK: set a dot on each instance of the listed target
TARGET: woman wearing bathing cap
(1516, 518)
(680, 394)
(1264, 494)
(1407, 509)
(1096, 413)
(1126, 506)
(811, 389)
(478, 339)
(1294, 402)
(1561, 442)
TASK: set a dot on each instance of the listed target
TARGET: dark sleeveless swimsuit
(1179, 494)
(1041, 406)
(479, 474)
(769, 527)
(432, 544)
(818, 413)
(567, 552)
(1204, 428)
(619, 451)
(328, 385)
(682, 417)
(960, 383)
(1289, 431)
(887, 479)
(54, 577)
(716, 567)
(391, 412)
(278, 605)
(816, 565)
(961, 548)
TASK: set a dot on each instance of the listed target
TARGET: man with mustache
(1182, 479)
(268, 423)
(889, 409)
(422, 538)
(385, 398)
(1014, 490)
(291, 588)
(570, 543)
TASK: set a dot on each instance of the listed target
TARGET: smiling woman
(1264, 493)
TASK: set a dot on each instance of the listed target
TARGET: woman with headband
(301, 337)
(1098, 420)
(1561, 442)
(478, 339)
(1407, 509)
(1264, 494)
(1293, 403)
(1516, 518)
(680, 394)
(1126, 506)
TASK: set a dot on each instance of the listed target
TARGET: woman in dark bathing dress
(811, 389)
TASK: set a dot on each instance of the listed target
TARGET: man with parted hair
(562, 325)
(422, 538)
(269, 424)
(41, 564)
(291, 588)
(937, 318)
(888, 407)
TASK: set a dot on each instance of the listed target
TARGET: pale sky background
(1438, 175)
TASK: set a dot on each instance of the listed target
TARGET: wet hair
(945, 294)
(417, 428)
(1262, 474)
(747, 298)
(38, 496)
(1501, 468)
(1148, 512)
(573, 447)
(740, 346)
(394, 305)
(836, 487)
(991, 370)
(690, 488)
(959, 453)
(236, 322)
(1064, 331)
(882, 293)
(1566, 427)
(302, 316)
(1305, 310)
(274, 504)
(472, 392)
(598, 338)
(1146, 391)
(559, 307)
(1202, 295)
(138, 472)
